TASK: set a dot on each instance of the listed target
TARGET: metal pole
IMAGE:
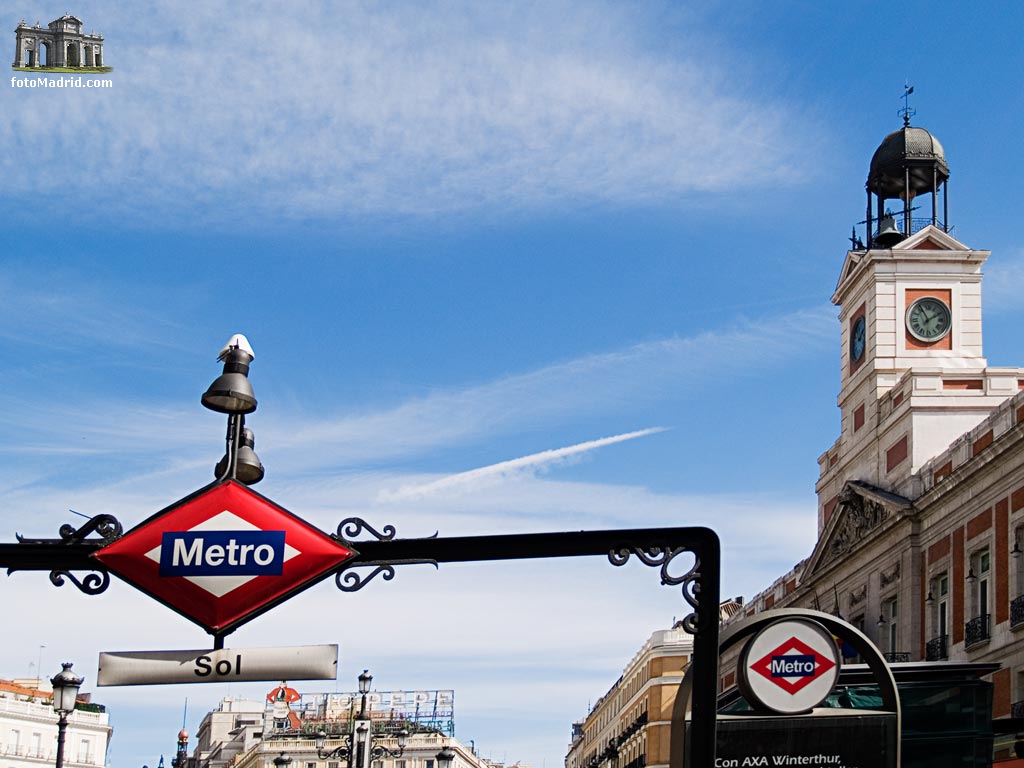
(62, 724)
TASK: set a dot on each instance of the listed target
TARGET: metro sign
(223, 555)
(793, 665)
(790, 666)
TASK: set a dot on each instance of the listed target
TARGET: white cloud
(315, 110)
(467, 482)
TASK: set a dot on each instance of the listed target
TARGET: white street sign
(228, 665)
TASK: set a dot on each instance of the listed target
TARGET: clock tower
(913, 375)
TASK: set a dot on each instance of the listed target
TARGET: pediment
(853, 258)
(862, 511)
(931, 238)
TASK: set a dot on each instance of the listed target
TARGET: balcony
(896, 657)
(1017, 612)
(977, 630)
(937, 649)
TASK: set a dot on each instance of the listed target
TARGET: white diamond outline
(218, 586)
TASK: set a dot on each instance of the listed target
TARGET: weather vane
(906, 112)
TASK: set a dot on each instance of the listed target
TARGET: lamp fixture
(359, 748)
(971, 577)
(65, 693)
(1016, 551)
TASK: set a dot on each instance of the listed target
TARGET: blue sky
(460, 235)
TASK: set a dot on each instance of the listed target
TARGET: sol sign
(789, 667)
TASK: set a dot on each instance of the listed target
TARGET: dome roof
(182, 735)
(908, 149)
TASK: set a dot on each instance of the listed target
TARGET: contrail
(514, 466)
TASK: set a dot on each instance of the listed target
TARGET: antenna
(906, 112)
(184, 715)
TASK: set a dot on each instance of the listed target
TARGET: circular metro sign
(789, 667)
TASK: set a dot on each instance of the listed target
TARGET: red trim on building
(896, 454)
(1002, 561)
(957, 619)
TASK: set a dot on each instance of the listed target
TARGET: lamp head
(231, 392)
(364, 681)
(248, 469)
(65, 689)
(445, 758)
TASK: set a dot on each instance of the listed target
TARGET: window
(37, 744)
(943, 605)
(890, 612)
(979, 574)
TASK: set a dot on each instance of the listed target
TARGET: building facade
(921, 498)
(61, 43)
(630, 726)
(251, 734)
(28, 728)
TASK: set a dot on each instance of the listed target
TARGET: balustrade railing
(977, 630)
(1017, 612)
(896, 657)
(937, 649)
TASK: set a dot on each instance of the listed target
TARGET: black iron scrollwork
(350, 581)
(92, 584)
(107, 526)
(108, 529)
(662, 557)
(351, 527)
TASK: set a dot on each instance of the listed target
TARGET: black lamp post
(232, 393)
(360, 748)
(282, 761)
(65, 693)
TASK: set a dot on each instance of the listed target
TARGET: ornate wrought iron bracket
(349, 580)
(62, 555)
(662, 556)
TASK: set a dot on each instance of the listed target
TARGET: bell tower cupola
(908, 163)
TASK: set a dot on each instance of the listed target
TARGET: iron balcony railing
(977, 630)
(895, 657)
(1017, 612)
(936, 649)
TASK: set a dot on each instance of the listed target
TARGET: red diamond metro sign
(223, 555)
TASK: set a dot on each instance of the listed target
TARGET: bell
(888, 235)
(248, 468)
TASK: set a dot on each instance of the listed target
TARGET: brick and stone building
(630, 726)
(921, 498)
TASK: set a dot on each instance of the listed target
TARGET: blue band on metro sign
(222, 553)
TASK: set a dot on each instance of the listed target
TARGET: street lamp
(232, 393)
(360, 748)
(282, 761)
(445, 757)
(65, 692)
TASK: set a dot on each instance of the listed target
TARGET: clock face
(928, 319)
(857, 339)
